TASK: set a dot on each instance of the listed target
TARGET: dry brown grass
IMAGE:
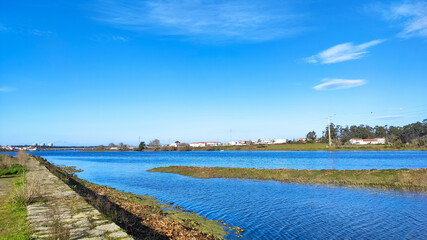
(22, 158)
(7, 161)
(27, 192)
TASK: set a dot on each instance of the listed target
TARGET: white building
(237, 143)
(280, 141)
(50, 145)
(198, 144)
(205, 144)
(359, 141)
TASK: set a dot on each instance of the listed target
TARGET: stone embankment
(60, 213)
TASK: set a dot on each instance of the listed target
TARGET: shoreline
(142, 214)
(387, 179)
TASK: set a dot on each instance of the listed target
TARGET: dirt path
(5, 188)
(62, 213)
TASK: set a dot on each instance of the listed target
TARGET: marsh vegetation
(395, 179)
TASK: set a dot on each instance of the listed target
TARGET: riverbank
(399, 179)
(142, 216)
(283, 147)
(13, 216)
(311, 147)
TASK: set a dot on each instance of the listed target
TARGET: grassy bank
(140, 215)
(400, 179)
(13, 215)
(13, 212)
(312, 147)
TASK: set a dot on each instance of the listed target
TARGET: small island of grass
(393, 179)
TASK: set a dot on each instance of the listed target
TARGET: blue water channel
(269, 209)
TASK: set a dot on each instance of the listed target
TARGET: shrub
(397, 144)
(12, 170)
(27, 192)
(7, 161)
(22, 158)
(210, 148)
(167, 148)
(184, 147)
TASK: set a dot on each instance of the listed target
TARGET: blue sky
(95, 72)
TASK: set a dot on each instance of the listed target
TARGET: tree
(333, 132)
(184, 147)
(154, 143)
(111, 145)
(100, 147)
(122, 147)
(311, 135)
(141, 146)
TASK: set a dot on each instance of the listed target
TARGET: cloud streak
(119, 38)
(337, 84)
(6, 89)
(3, 28)
(411, 16)
(342, 52)
(233, 19)
(391, 117)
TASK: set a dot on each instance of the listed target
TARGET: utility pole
(329, 130)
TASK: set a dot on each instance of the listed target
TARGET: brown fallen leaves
(152, 217)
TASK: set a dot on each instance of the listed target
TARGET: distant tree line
(414, 133)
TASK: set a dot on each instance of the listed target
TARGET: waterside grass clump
(392, 179)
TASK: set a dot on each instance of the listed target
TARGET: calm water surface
(268, 209)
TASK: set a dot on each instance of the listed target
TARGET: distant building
(177, 144)
(301, 140)
(205, 144)
(50, 145)
(359, 141)
(264, 142)
(42, 144)
(280, 141)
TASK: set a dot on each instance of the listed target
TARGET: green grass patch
(393, 179)
(13, 216)
(15, 169)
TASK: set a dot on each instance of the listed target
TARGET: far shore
(390, 179)
(281, 147)
(273, 147)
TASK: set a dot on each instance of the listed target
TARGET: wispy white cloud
(391, 117)
(336, 84)
(6, 89)
(342, 52)
(40, 33)
(411, 16)
(255, 20)
(3, 28)
(120, 38)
